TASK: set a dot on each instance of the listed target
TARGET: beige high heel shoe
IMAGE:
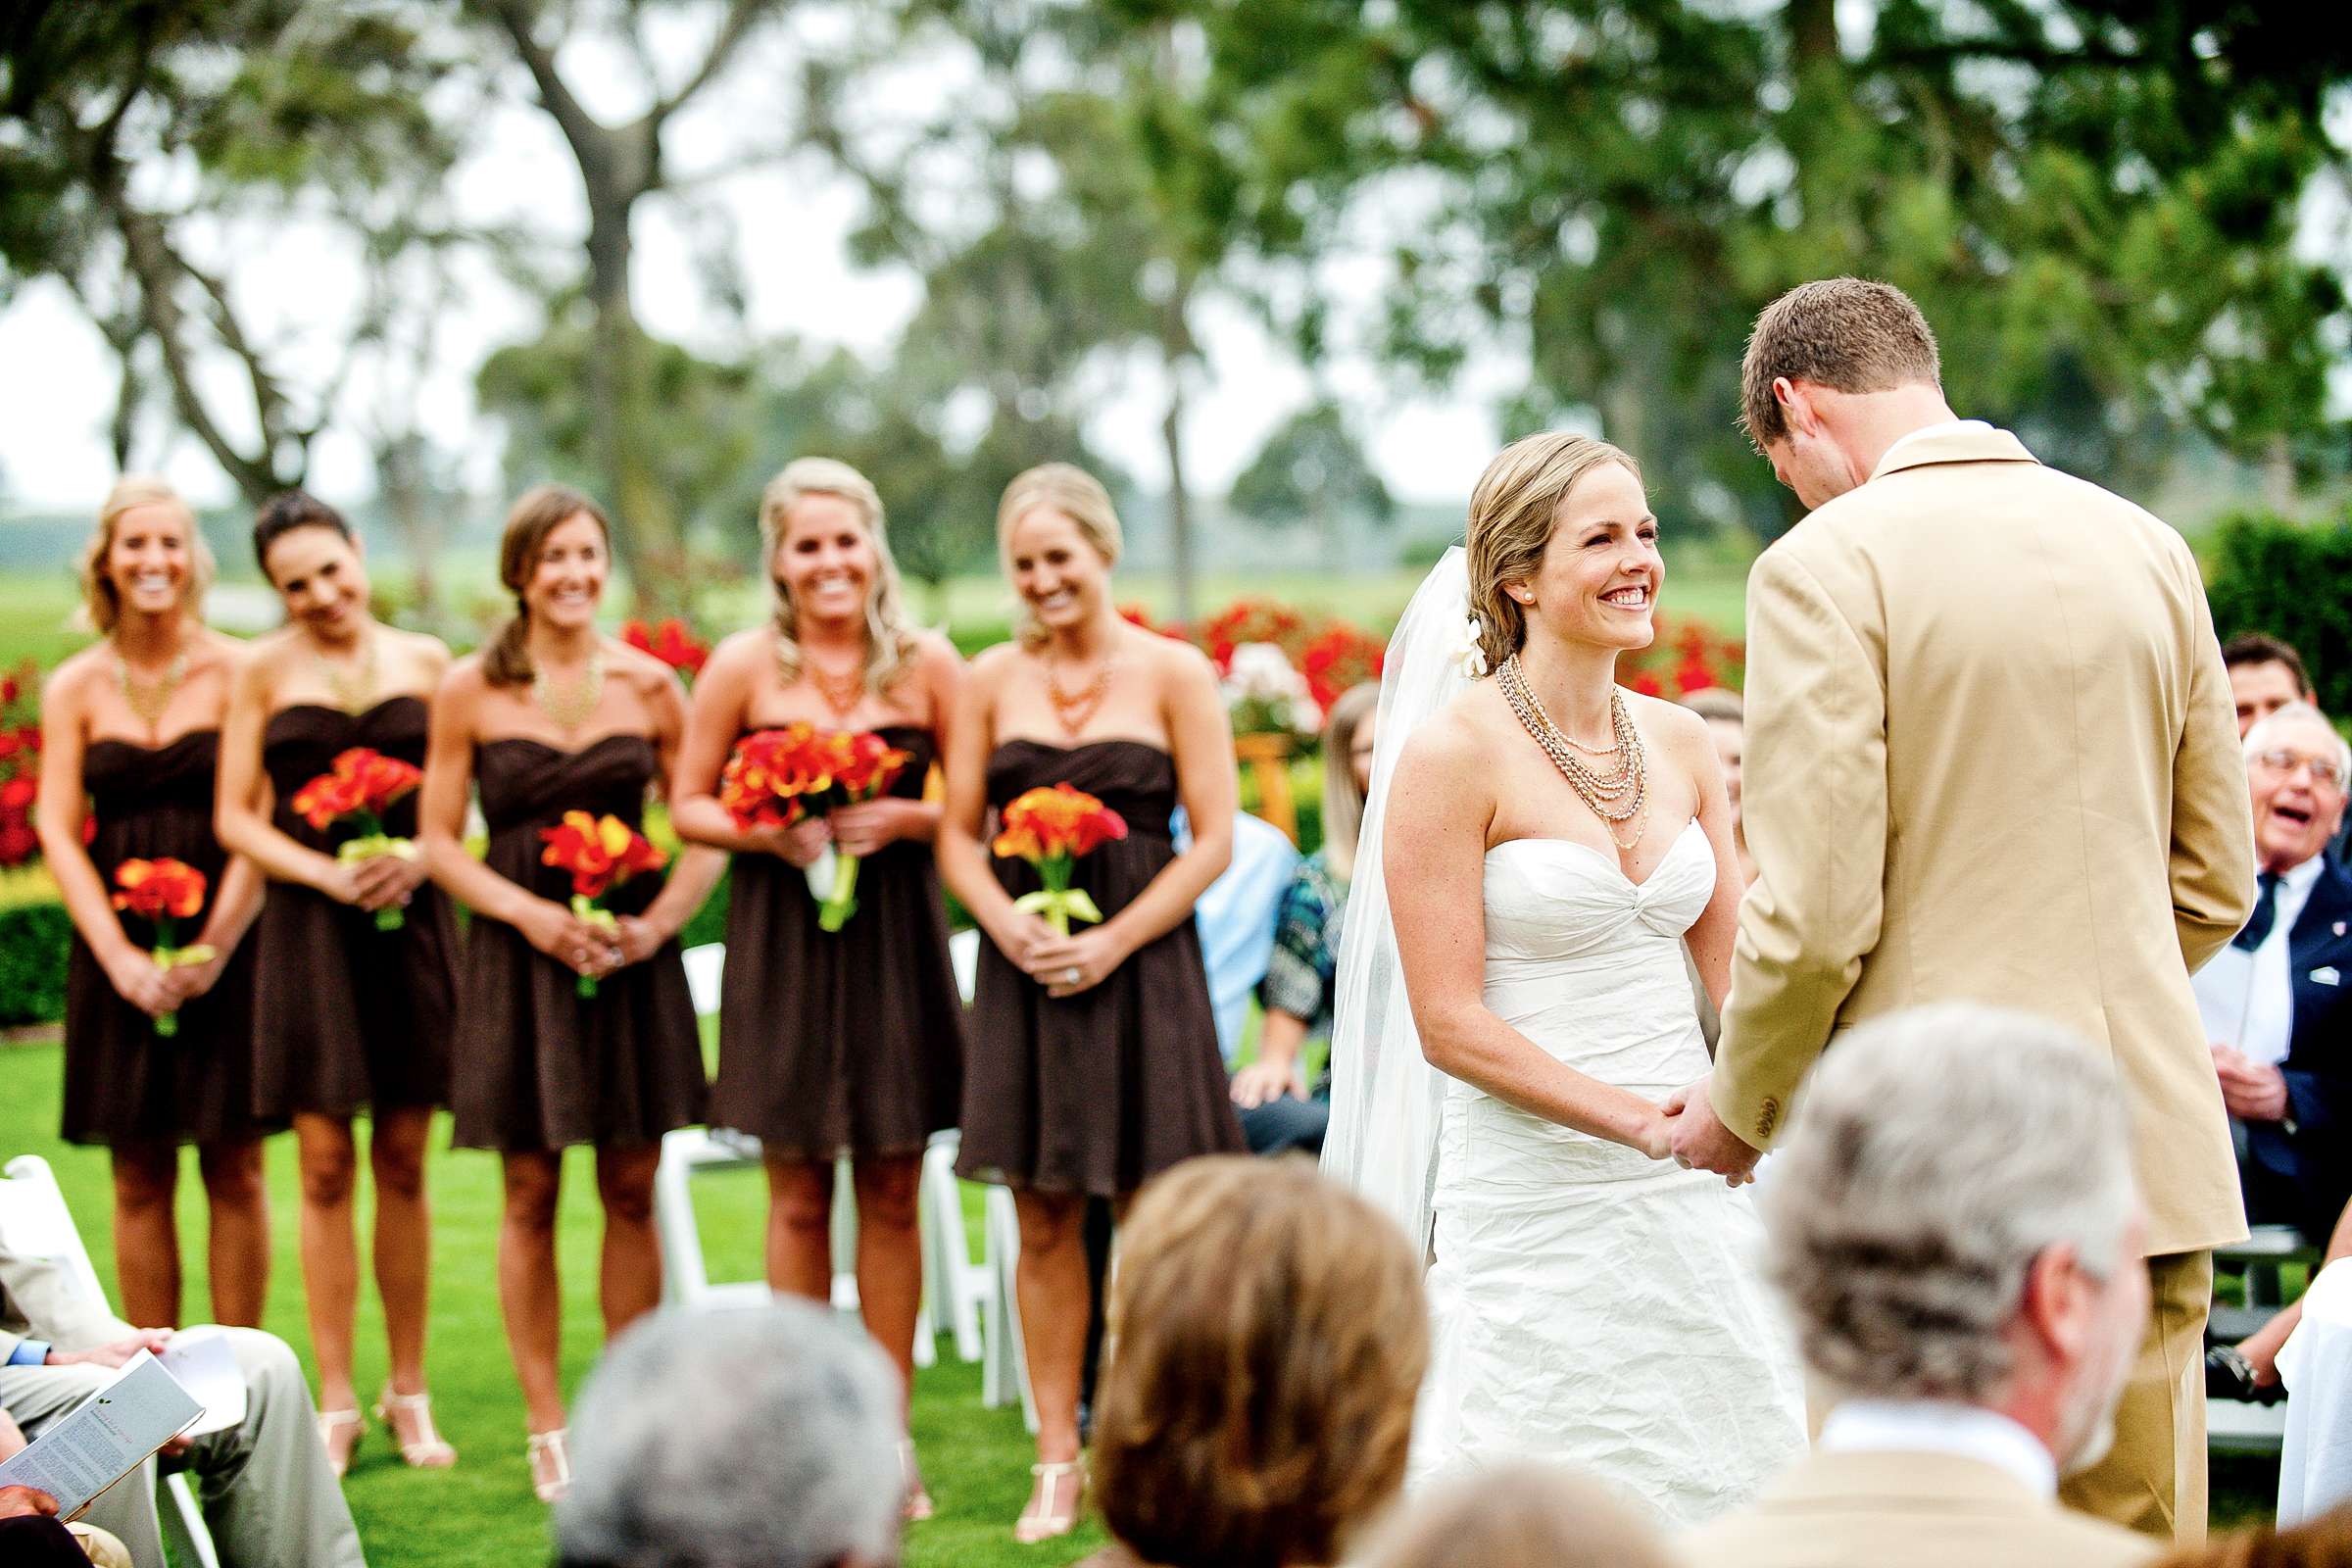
(554, 1447)
(330, 1422)
(427, 1452)
(1037, 1522)
(918, 1506)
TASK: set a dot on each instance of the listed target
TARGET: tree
(620, 164)
(2093, 202)
(1311, 470)
(144, 134)
(1104, 176)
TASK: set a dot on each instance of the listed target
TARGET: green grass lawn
(974, 1459)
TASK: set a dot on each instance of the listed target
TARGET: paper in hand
(104, 1438)
(201, 1359)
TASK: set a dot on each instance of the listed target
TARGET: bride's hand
(1655, 1135)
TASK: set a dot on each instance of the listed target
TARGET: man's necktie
(2265, 915)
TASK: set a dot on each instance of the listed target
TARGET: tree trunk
(1175, 347)
(644, 523)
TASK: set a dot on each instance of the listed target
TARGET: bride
(1552, 844)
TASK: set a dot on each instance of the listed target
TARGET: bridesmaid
(849, 1041)
(551, 718)
(1093, 1061)
(347, 1018)
(130, 733)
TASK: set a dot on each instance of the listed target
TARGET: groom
(1990, 756)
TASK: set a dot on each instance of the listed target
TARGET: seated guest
(735, 1437)
(1236, 920)
(1520, 1515)
(1727, 725)
(31, 1536)
(269, 1497)
(2265, 675)
(2249, 1369)
(2274, 1000)
(1279, 1111)
(1268, 1335)
(1953, 1225)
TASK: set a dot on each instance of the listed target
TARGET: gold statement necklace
(570, 709)
(353, 682)
(149, 700)
(1616, 796)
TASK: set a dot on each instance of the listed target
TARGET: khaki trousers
(2153, 1480)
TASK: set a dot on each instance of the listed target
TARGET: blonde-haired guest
(1093, 1058)
(850, 1038)
(130, 738)
(1268, 1338)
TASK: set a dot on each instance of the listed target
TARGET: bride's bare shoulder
(1458, 740)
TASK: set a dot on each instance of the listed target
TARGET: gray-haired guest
(758, 1436)
(1954, 1228)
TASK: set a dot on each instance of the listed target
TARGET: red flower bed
(19, 763)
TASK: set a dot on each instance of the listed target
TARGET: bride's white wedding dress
(1593, 1305)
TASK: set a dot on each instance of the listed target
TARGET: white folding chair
(955, 1288)
(1004, 1373)
(1004, 1367)
(689, 1151)
(705, 964)
(33, 1211)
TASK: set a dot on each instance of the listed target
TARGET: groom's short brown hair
(1845, 332)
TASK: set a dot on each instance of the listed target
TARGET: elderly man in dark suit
(2275, 1005)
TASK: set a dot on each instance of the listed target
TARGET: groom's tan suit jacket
(1908, 1510)
(1992, 757)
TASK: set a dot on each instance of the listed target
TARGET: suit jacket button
(1770, 1118)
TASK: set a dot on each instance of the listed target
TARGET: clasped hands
(2251, 1091)
(1064, 965)
(857, 830)
(1689, 1133)
(379, 882)
(586, 949)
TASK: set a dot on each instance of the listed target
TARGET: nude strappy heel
(427, 1452)
(1039, 1525)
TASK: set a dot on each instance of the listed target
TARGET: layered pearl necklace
(1616, 796)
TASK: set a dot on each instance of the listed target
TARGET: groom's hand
(1701, 1141)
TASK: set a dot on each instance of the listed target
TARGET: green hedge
(33, 940)
(2293, 581)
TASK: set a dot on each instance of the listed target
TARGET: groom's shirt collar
(1926, 431)
(1931, 1426)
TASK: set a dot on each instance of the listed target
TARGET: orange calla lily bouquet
(599, 853)
(164, 893)
(1050, 827)
(356, 791)
(777, 777)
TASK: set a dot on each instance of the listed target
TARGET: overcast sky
(791, 220)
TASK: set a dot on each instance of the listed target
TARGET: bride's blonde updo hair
(1512, 513)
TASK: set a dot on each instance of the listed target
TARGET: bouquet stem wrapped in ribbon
(1050, 827)
(777, 777)
(164, 893)
(356, 792)
(599, 853)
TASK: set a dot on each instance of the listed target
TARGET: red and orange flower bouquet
(357, 792)
(1050, 827)
(163, 892)
(778, 777)
(599, 853)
